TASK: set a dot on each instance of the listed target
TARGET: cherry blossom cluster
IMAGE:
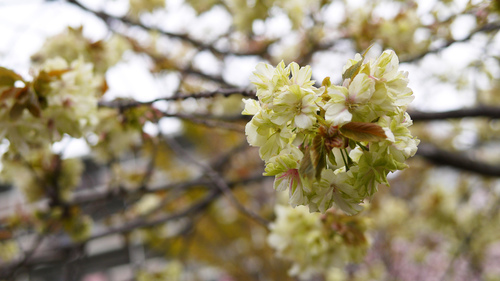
(331, 145)
(316, 242)
(62, 99)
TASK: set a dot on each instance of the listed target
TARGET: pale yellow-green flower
(315, 243)
(346, 102)
(348, 137)
(296, 105)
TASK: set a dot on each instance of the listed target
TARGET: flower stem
(345, 161)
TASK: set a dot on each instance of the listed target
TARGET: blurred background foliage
(113, 176)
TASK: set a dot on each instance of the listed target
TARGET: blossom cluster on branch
(60, 100)
(332, 145)
(316, 242)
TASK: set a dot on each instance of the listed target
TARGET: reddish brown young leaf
(361, 131)
(10, 92)
(57, 72)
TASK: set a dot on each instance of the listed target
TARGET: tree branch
(218, 164)
(226, 92)
(209, 123)
(107, 18)
(219, 182)
(10, 272)
(456, 160)
(480, 111)
(485, 28)
(195, 208)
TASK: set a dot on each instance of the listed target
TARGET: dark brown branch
(226, 92)
(161, 60)
(217, 79)
(475, 230)
(307, 56)
(219, 181)
(139, 223)
(438, 156)
(456, 160)
(184, 37)
(81, 199)
(195, 208)
(200, 181)
(225, 118)
(485, 28)
(208, 123)
(11, 271)
(218, 163)
(480, 111)
(151, 164)
(54, 263)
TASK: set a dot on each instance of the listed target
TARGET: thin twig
(141, 223)
(161, 60)
(209, 123)
(478, 111)
(217, 163)
(184, 37)
(218, 181)
(225, 92)
(10, 272)
(151, 166)
(494, 26)
(468, 238)
(195, 208)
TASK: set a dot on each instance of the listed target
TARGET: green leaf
(349, 159)
(361, 131)
(367, 49)
(352, 71)
(33, 105)
(16, 111)
(331, 157)
(352, 144)
(318, 155)
(8, 77)
(41, 85)
(306, 167)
